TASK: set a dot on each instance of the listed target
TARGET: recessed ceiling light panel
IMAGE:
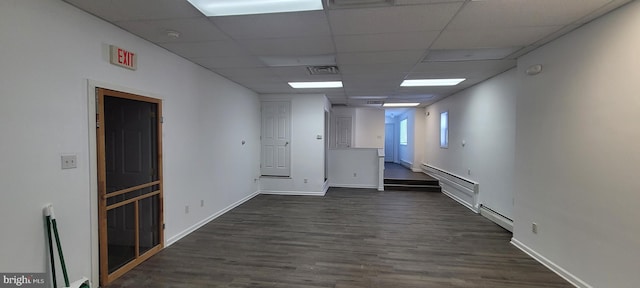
(431, 82)
(320, 84)
(248, 7)
(400, 104)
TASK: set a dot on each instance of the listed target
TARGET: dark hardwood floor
(349, 238)
(397, 171)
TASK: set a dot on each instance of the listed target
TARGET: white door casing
(276, 138)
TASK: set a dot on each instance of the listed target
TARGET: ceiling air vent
(375, 102)
(323, 70)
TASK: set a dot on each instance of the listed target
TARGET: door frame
(93, 168)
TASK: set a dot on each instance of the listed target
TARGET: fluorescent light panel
(249, 7)
(400, 104)
(321, 84)
(431, 82)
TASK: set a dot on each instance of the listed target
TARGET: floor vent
(323, 70)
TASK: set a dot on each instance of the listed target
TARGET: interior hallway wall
(369, 128)
(576, 164)
(484, 117)
(411, 154)
(307, 151)
(49, 49)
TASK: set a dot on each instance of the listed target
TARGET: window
(444, 130)
(403, 132)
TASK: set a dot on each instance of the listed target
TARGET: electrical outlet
(186, 209)
(468, 171)
(355, 174)
(534, 228)
(201, 203)
(69, 161)
(306, 180)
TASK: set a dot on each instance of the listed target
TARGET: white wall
(369, 128)
(406, 152)
(353, 168)
(483, 116)
(307, 152)
(576, 163)
(49, 49)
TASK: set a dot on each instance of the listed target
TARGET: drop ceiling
(376, 44)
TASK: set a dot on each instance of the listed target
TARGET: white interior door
(343, 132)
(389, 142)
(276, 138)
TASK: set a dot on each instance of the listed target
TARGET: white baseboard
(364, 186)
(459, 200)
(575, 281)
(195, 227)
(325, 186)
(294, 193)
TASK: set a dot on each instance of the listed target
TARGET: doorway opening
(130, 194)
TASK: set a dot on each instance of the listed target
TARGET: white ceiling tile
(124, 10)
(269, 87)
(510, 13)
(491, 38)
(205, 49)
(369, 92)
(374, 77)
(392, 19)
(191, 30)
(405, 56)
(261, 74)
(384, 42)
(300, 73)
(376, 68)
(289, 46)
(278, 25)
(445, 55)
(375, 48)
(229, 62)
(368, 85)
(465, 69)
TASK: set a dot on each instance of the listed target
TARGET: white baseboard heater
(458, 188)
(496, 217)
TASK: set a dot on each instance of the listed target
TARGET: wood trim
(159, 120)
(134, 199)
(124, 269)
(102, 188)
(130, 189)
(125, 95)
(106, 278)
(136, 224)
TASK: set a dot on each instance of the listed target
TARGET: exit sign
(122, 58)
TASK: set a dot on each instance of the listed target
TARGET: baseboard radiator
(496, 217)
(458, 188)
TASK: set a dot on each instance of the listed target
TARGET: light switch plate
(69, 161)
